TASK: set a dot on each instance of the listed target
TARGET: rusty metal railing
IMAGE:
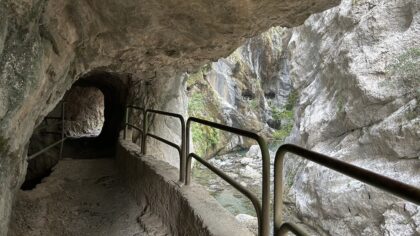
(180, 148)
(63, 136)
(262, 210)
(397, 188)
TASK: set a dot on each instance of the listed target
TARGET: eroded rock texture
(356, 67)
(84, 111)
(240, 90)
(46, 45)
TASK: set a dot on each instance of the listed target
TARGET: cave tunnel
(93, 115)
(114, 90)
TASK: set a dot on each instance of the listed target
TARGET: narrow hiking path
(81, 197)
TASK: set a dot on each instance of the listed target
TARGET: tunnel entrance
(87, 140)
(93, 115)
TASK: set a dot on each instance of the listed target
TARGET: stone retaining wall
(184, 210)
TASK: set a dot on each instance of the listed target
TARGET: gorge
(339, 78)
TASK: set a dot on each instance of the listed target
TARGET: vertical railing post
(278, 191)
(264, 229)
(62, 129)
(125, 123)
(183, 153)
(187, 164)
(144, 136)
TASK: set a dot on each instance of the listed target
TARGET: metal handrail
(135, 127)
(61, 141)
(180, 148)
(291, 227)
(397, 188)
(47, 148)
(254, 199)
(263, 213)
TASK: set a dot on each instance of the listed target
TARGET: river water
(245, 166)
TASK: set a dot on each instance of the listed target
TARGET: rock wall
(84, 111)
(356, 69)
(250, 89)
(45, 46)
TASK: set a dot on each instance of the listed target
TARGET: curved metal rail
(180, 148)
(263, 213)
(397, 188)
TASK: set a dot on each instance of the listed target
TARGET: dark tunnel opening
(95, 109)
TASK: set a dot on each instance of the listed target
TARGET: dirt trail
(80, 197)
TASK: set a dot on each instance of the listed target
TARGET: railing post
(62, 129)
(264, 229)
(183, 153)
(187, 164)
(144, 136)
(125, 123)
(278, 191)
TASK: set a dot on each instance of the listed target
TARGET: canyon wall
(356, 70)
(349, 78)
(250, 89)
(45, 46)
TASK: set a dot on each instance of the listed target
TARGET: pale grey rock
(246, 160)
(250, 222)
(359, 102)
(84, 111)
(250, 172)
(254, 152)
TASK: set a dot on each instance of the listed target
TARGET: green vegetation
(281, 114)
(195, 78)
(282, 133)
(291, 100)
(254, 104)
(196, 105)
(204, 138)
(285, 116)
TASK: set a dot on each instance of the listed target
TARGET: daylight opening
(84, 112)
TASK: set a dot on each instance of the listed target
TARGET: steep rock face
(245, 90)
(45, 46)
(356, 68)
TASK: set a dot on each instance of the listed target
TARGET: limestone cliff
(356, 69)
(249, 89)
